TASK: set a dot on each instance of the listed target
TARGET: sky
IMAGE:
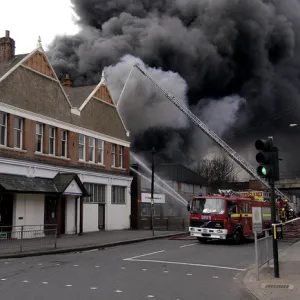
(35, 18)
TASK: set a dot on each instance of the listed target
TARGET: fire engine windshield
(208, 206)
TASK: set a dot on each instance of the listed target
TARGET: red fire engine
(225, 216)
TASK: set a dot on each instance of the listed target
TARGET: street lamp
(152, 192)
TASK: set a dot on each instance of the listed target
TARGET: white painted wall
(30, 207)
(90, 217)
(118, 214)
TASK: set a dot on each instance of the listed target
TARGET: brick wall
(7, 48)
(29, 146)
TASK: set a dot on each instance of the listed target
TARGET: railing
(27, 237)
(263, 249)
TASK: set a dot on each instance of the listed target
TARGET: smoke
(220, 48)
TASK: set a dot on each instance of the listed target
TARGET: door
(63, 215)
(6, 212)
(50, 212)
(101, 216)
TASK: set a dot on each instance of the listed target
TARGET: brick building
(64, 151)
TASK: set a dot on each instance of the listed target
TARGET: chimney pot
(7, 33)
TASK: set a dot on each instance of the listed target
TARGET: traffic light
(267, 157)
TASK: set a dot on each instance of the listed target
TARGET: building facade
(174, 187)
(64, 151)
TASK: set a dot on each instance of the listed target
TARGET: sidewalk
(288, 285)
(88, 241)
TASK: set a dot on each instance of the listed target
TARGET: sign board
(258, 195)
(257, 219)
(158, 198)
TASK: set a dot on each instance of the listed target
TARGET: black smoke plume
(221, 48)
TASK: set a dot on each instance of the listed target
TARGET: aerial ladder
(233, 154)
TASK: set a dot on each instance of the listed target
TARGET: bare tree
(218, 169)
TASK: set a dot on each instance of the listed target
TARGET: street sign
(158, 198)
(257, 219)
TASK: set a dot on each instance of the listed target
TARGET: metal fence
(27, 237)
(263, 248)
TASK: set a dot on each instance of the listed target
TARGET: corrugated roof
(78, 95)
(4, 68)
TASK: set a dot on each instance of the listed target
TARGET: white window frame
(64, 143)
(113, 191)
(5, 116)
(121, 156)
(39, 134)
(20, 130)
(92, 144)
(101, 151)
(113, 155)
(83, 145)
(52, 139)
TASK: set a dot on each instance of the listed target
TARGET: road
(160, 269)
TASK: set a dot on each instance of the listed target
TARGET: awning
(62, 183)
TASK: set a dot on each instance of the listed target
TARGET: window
(18, 132)
(121, 152)
(3, 128)
(100, 151)
(81, 149)
(118, 195)
(64, 143)
(39, 137)
(91, 149)
(113, 155)
(97, 192)
(52, 136)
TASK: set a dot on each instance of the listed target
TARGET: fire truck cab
(225, 216)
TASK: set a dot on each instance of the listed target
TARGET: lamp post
(152, 192)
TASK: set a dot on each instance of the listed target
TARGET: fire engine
(227, 215)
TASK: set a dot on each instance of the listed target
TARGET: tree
(219, 169)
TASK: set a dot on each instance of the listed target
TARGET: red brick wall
(7, 48)
(29, 140)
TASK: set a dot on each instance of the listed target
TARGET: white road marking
(97, 266)
(93, 250)
(144, 269)
(68, 285)
(118, 291)
(25, 281)
(93, 288)
(186, 264)
(215, 277)
(58, 264)
(45, 282)
(189, 274)
(123, 268)
(3, 279)
(131, 258)
(150, 296)
(75, 266)
(166, 271)
(188, 245)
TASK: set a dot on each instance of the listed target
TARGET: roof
(24, 184)
(4, 68)
(178, 173)
(78, 95)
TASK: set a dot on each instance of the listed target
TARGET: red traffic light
(264, 158)
(263, 145)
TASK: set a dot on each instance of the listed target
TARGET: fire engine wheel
(238, 237)
(202, 240)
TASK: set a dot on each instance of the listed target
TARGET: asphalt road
(160, 269)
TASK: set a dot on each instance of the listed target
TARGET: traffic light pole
(152, 192)
(274, 221)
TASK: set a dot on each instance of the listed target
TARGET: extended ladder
(233, 154)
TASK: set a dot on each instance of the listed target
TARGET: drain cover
(277, 286)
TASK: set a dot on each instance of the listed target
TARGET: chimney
(7, 48)
(67, 82)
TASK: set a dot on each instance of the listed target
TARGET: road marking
(188, 245)
(3, 279)
(144, 269)
(131, 258)
(45, 282)
(40, 264)
(87, 251)
(75, 266)
(215, 277)
(150, 296)
(186, 264)
(68, 285)
(97, 266)
(93, 288)
(25, 281)
(189, 274)
(118, 291)
(166, 271)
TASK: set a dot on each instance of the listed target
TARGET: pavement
(75, 243)
(287, 286)
(163, 269)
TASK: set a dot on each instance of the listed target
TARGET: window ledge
(118, 168)
(13, 149)
(52, 156)
(91, 163)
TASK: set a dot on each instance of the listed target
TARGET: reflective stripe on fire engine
(235, 215)
(248, 215)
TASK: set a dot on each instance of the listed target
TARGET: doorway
(6, 212)
(101, 216)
